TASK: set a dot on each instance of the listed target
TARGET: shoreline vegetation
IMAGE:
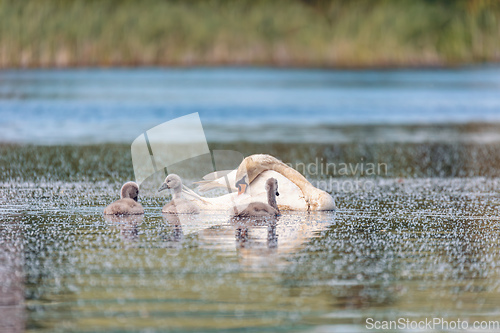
(112, 162)
(285, 33)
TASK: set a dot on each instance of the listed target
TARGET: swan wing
(223, 202)
(216, 175)
(218, 179)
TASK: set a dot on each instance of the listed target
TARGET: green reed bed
(337, 33)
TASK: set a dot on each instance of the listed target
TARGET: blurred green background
(319, 33)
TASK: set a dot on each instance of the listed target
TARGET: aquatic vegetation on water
(112, 162)
(423, 247)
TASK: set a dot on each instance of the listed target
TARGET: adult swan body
(297, 193)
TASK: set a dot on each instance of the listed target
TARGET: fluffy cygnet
(178, 204)
(128, 204)
(261, 209)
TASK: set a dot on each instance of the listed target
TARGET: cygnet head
(171, 182)
(129, 190)
(272, 186)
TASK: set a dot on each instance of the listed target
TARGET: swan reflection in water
(128, 224)
(257, 242)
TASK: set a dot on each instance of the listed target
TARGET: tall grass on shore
(336, 33)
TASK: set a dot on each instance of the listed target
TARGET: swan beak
(277, 193)
(242, 188)
(163, 186)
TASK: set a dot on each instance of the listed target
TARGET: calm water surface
(117, 105)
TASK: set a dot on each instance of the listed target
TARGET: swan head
(272, 186)
(129, 190)
(242, 185)
(171, 182)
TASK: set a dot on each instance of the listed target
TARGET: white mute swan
(249, 179)
(178, 205)
(261, 209)
(128, 204)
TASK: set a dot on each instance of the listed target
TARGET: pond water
(421, 242)
(252, 104)
(412, 249)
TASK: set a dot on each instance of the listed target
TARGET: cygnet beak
(163, 186)
(277, 193)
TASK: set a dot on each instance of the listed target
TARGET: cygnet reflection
(128, 224)
(172, 230)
